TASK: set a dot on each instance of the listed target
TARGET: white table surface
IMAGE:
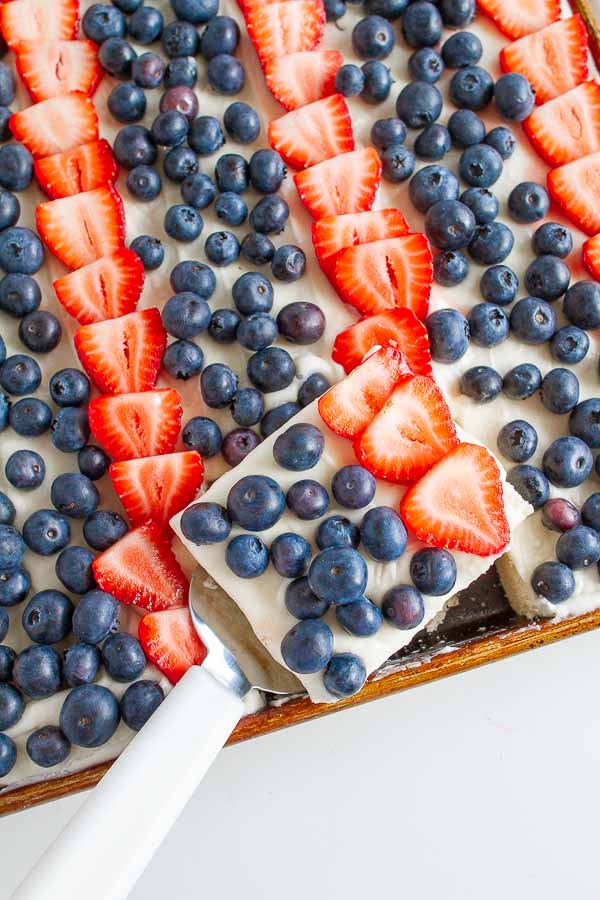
(484, 785)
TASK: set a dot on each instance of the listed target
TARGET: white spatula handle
(106, 846)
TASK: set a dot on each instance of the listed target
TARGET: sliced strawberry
(157, 487)
(170, 642)
(575, 187)
(142, 569)
(303, 77)
(123, 355)
(307, 136)
(334, 233)
(82, 228)
(591, 256)
(397, 328)
(567, 127)
(459, 503)
(82, 169)
(104, 289)
(130, 426)
(411, 432)
(383, 274)
(553, 60)
(22, 21)
(345, 184)
(348, 407)
(516, 18)
(59, 67)
(276, 29)
(55, 125)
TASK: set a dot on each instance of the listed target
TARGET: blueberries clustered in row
(422, 23)
(16, 162)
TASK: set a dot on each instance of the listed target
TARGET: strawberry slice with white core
(82, 169)
(345, 184)
(591, 256)
(307, 136)
(141, 569)
(384, 274)
(303, 77)
(59, 67)
(554, 59)
(170, 642)
(459, 503)
(157, 487)
(349, 406)
(104, 289)
(335, 233)
(125, 354)
(130, 426)
(55, 125)
(516, 18)
(82, 228)
(567, 127)
(411, 432)
(24, 21)
(397, 328)
(575, 187)
(277, 29)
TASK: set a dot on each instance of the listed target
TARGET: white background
(484, 785)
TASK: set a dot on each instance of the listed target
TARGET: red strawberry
(276, 29)
(82, 169)
(575, 187)
(345, 184)
(307, 136)
(567, 127)
(334, 233)
(55, 125)
(348, 407)
(157, 487)
(411, 432)
(591, 256)
(170, 642)
(82, 228)
(397, 328)
(516, 18)
(59, 67)
(123, 355)
(303, 77)
(104, 289)
(554, 59)
(459, 503)
(38, 20)
(129, 426)
(383, 274)
(142, 569)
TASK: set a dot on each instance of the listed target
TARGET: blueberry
(274, 419)
(12, 548)
(299, 447)
(150, 250)
(553, 581)
(183, 360)
(70, 429)
(488, 324)
(349, 80)
(559, 514)
(517, 440)
(502, 140)
(221, 36)
(584, 422)
(383, 534)
(533, 321)
(47, 746)
(182, 99)
(337, 531)
(301, 322)
(581, 305)
(74, 569)
(10, 209)
(7, 85)
(169, 128)
(40, 331)
(226, 74)
(307, 499)
(530, 483)
(21, 251)
(514, 97)
(290, 555)
(252, 293)
(560, 391)
(528, 202)
(205, 136)
(308, 646)
(8, 754)
(247, 556)
(134, 146)
(590, 512)
(389, 9)
(93, 462)
(433, 142)
(195, 277)
(271, 369)
(482, 384)
(103, 529)
(116, 56)
(37, 671)
(4, 625)
(373, 38)
(567, 462)
(11, 706)
(205, 523)
(431, 184)
(139, 702)
(338, 575)
(345, 675)
(482, 203)
(127, 103)
(5, 132)
(398, 163)
(448, 335)
(499, 284)
(248, 407)
(480, 165)
(7, 511)
(218, 384)
(433, 571)
(553, 239)
(466, 128)
(386, 132)
(237, 444)
(123, 657)
(183, 223)
(269, 215)
(4, 411)
(46, 532)
(102, 21)
(266, 171)
(47, 617)
(25, 470)
(179, 39)
(403, 607)
(255, 502)
(202, 434)
(418, 104)
(579, 547)
(74, 495)
(145, 25)
(223, 326)
(377, 82)
(198, 190)
(241, 122)
(361, 618)
(69, 387)
(16, 167)
(15, 582)
(186, 315)
(7, 660)
(19, 295)
(95, 617)
(462, 49)
(301, 603)
(449, 224)
(471, 87)
(30, 417)
(89, 715)
(456, 13)
(288, 263)
(426, 64)
(312, 387)
(353, 487)
(147, 70)
(421, 25)
(144, 183)
(491, 243)
(222, 248)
